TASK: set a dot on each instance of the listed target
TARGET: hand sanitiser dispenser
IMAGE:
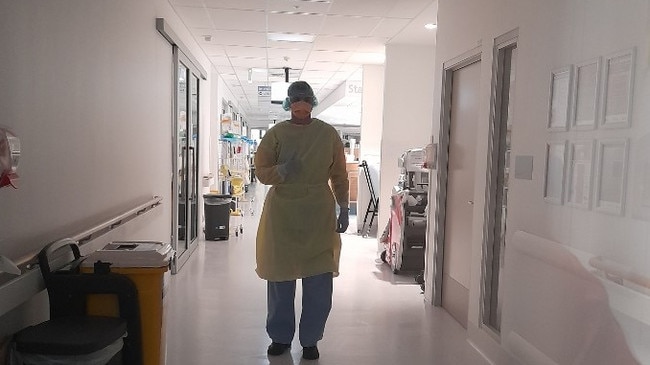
(9, 156)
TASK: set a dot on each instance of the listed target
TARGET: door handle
(470, 202)
(183, 174)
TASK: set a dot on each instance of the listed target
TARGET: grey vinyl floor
(216, 308)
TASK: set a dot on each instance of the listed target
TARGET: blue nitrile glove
(344, 221)
(290, 167)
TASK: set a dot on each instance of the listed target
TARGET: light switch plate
(524, 167)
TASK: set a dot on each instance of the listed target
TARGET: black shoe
(276, 349)
(310, 353)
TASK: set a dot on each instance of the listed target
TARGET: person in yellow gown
(298, 235)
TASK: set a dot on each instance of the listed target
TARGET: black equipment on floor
(373, 204)
(70, 332)
(217, 209)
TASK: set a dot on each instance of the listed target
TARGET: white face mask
(301, 109)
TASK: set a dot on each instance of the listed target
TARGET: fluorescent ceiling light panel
(282, 12)
(290, 37)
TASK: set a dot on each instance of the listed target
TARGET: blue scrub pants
(316, 305)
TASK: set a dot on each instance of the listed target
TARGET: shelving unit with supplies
(234, 171)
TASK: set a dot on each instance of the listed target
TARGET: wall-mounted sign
(264, 93)
(353, 88)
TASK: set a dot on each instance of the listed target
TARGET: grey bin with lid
(217, 216)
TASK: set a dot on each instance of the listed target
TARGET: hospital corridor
(486, 163)
(217, 310)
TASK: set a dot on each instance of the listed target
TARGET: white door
(460, 191)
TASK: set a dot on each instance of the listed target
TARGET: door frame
(179, 49)
(449, 67)
(180, 259)
(490, 250)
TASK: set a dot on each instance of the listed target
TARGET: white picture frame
(618, 86)
(559, 99)
(579, 174)
(585, 94)
(611, 175)
(555, 168)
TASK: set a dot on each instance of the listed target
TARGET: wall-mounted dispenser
(9, 156)
(431, 156)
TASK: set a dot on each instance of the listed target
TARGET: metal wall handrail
(102, 228)
(621, 275)
(19, 289)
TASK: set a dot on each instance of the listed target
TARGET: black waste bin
(217, 216)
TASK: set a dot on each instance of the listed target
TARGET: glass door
(186, 160)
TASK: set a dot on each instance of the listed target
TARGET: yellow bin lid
(132, 254)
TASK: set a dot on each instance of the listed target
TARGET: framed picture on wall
(618, 84)
(586, 87)
(580, 173)
(559, 99)
(611, 175)
(555, 168)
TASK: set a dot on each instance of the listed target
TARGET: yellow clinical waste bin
(146, 263)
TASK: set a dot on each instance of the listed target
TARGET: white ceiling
(346, 35)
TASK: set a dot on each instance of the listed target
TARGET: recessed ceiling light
(290, 37)
(430, 26)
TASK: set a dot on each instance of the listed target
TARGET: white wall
(372, 108)
(408, 94)
(220, 92)
(553, 34)
(210, 163)
(87, 86)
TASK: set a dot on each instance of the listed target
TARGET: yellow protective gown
(296, 237)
